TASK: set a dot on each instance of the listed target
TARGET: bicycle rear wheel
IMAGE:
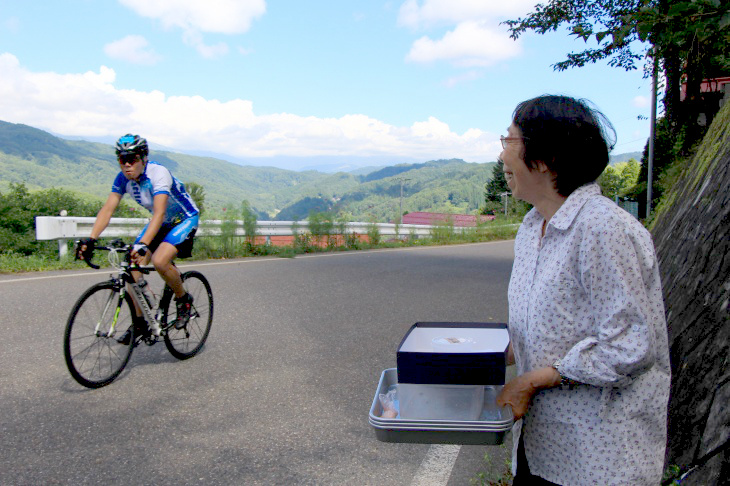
(186, 342)
(94, 356)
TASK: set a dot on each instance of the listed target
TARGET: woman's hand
(518, 392)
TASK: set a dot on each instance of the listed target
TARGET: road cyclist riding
(98, 358)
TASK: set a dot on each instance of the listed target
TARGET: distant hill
(615, 159)
(41, 160)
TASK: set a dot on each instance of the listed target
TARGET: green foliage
(300, 209)
(197, 193)
(497, 185)
(689, 39)
(443, 232)
(322, 227)
(249, 221)
(618, 178)
(494, 474)
(19, 207)
(671, 475)
(229, 226)
(374, 235)
(11, 262)
(508, 208)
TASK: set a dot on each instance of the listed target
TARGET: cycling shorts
(179, 234)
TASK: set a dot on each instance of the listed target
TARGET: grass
(495, 474)
(207, 248)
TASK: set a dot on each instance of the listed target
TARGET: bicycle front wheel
(94, 355)
(186, 342)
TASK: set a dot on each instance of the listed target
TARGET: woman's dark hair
(570, 137)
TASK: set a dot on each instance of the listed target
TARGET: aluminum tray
(471, 432)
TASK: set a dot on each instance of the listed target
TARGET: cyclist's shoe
(184, 309)
(140, 327)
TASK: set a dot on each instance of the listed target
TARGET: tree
(617, 179)
(494, 190)
(629, 172)
(19, 207)
(250, 221)
(689, 39)
(197, 192)
(497, 185)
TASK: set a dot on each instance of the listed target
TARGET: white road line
(436, 467)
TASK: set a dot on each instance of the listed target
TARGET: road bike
(94, 346)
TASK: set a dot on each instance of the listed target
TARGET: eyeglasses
(128, 159)
(507, 140)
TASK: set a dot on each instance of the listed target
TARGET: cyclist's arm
(105, 214)
(159, 208)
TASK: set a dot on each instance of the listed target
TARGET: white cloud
(476, 38)
(640, 102)
(89, 104)
(195, 39)
(133, 49)
(195, 17)
(427, 13)
(214, 16)
(462, 78)
(469, 44)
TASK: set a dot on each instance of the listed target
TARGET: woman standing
(586, 315)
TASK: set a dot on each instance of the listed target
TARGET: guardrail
(65, 228)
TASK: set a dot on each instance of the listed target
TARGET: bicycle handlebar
(117, 245)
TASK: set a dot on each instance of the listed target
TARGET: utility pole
(400, 215)
(650, 158)
(506, 196)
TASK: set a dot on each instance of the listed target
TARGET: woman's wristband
(564, 380)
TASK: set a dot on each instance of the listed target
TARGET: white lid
(456, 340)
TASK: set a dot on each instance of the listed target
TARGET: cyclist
(168, 234)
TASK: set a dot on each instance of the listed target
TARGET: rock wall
(692, 237)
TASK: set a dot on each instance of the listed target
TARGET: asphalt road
(280, 393)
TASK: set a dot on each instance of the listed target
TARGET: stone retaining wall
(692, 238)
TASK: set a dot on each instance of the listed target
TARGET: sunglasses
(128, 159)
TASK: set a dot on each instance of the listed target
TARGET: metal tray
(472, 432)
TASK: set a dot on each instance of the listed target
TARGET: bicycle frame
(124, 278)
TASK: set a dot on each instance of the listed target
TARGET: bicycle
(93, 347)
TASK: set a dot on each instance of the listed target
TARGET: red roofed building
(444, 218)
(708, 86)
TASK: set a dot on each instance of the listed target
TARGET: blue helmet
(132, 144)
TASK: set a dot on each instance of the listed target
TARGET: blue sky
(290, 82)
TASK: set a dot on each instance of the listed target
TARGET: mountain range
(41, 160)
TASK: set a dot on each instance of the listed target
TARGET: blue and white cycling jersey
(157, 179)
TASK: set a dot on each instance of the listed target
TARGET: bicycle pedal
(150, 340)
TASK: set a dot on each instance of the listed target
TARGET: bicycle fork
(113, 327)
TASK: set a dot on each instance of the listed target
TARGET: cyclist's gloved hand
(85, 249)
(140, 249)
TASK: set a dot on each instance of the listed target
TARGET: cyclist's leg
(177, 237)
(177, 242)
(139, 322)
(162, 260)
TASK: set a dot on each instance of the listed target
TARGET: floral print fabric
(588, 293)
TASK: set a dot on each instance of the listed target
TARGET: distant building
(714, 93)
(714, 85)
(444, 218)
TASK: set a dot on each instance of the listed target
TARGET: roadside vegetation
(21, 252)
